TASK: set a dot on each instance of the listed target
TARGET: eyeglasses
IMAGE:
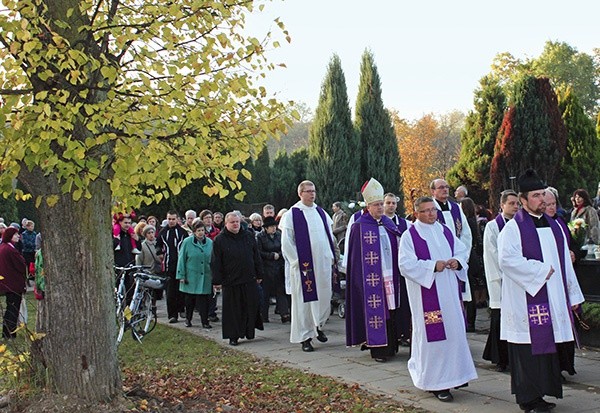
(443, 187)
(310, 191)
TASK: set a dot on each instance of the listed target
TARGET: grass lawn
(180, 369)
(176, 371)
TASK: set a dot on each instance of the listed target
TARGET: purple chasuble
(455, 211)
(538, 306)
(305, 258)
(375, 298)
(432, 312)
(366, 300)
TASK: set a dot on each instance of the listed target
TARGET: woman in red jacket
(13, 282)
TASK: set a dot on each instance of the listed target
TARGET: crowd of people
(410, 281)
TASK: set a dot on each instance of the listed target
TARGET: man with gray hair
(461, 193)
(307, 244)
(237, 268)
(434, 261)
(190, 216)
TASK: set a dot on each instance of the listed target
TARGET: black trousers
(175, 298)
(199, 302)
(11, 315)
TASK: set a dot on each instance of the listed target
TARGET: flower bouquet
(577, 227)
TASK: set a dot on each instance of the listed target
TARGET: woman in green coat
(193, 273)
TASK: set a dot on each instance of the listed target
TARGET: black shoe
(380, 359)
(443, 395)
(188, 323)
(172, 320)
(233, 341)
(548, 405)
(321, 336)
(404, 342)
(538, 409)
(213, 318)
(500, 368)
(306, 346)
(207, 326)
(285, 319)
(461, 386)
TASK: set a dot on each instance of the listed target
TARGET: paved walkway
(490, 393)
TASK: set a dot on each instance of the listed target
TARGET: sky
(430, 54)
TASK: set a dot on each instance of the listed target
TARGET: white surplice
(307, 317)
(437, 365)
(493, 275)
(521, 275)
(465, 235)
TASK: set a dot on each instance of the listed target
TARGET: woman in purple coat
(13, 282)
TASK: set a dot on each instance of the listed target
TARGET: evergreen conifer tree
(532, 135)
(580, 168)
(379, 156)
(478, 139)
(332, 141)
(283, 181)
(260, 186)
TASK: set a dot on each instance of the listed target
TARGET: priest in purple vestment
(539, 290)
(373, 279)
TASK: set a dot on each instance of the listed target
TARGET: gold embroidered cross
(370, 237)
(373, 279)
(376, 322)
(371, 258)
(433, 317)
(374, 301)
(539, 315)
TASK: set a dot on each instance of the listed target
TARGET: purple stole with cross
(455, 212)
(374, 296)
(303, 247)
(538, 306)
(432, 312)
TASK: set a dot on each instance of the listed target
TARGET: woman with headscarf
(13, 281)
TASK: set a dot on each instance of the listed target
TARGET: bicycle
(140, 314)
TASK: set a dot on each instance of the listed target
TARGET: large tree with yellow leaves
(119, 102)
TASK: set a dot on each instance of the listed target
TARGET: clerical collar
(539, 221)
(444, 206)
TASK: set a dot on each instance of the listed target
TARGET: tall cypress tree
(533, 135)
(283, 181)
(261, 178)
(379, 156)
(580, 168)
(478, 139)
(332, 141)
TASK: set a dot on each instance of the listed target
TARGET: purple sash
(501, 222)
(561, 222)
(455, 212)
(400, 223)
(432, 312)
(538, 306)
(303, 247)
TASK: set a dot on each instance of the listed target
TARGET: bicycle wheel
(120, 304)
(143, 321)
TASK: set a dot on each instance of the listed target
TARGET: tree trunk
(79, 349)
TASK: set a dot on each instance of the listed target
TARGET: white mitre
(372, 191)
